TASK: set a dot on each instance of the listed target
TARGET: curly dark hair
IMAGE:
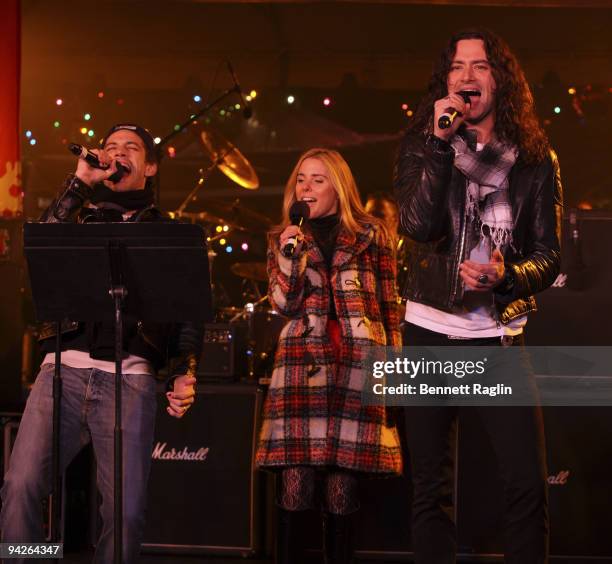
(515, 118)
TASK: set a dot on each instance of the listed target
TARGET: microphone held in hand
(84, 153)
(119, 173)
(92, 160)
(448, 117)
(298, 214)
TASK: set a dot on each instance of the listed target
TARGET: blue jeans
(87, 414)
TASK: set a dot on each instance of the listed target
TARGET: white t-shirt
(80, 359)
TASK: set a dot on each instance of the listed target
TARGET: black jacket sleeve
(421, 181)
(66, 207)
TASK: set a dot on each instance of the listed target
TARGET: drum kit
(259, 324)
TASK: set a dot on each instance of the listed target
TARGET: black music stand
(99, 271)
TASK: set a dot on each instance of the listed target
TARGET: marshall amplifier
(573, 310)
(204, 489)
(579, 453)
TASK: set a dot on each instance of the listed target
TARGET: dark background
(145, 61)
(149, 58)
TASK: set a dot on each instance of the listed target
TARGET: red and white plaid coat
(313, 414)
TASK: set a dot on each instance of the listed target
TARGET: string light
(409, 113)
(177, 127)
(171, 152)
(32, 141)
(253, 94)
(100, 94)
(404, 107)
(157, 140)
(56, 123)
(237, 106)
(571, 91)
(87, 117)
(229, 249)
(248, 97)
(83, 130)
(290, 99)
(91, 133)
(197, 98)
(59, 102)
(222, 241)
(226, 228)
(120, 101)
(327, 102)
(28, 134)
(219, 228)
(557, 110)
(244, 246)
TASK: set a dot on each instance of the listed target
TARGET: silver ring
(483, 279)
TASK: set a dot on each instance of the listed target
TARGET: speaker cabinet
(204, 489)
(579, 455)
(572, 311)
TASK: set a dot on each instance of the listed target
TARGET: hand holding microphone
(449, 112)
(94, 166)
(291, 237)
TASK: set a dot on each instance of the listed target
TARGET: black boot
(337, 539)
(286, 549)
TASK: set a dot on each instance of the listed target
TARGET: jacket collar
(346, 246)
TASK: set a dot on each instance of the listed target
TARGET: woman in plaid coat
(338, 291)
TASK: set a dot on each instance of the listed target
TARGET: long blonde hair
(353, 216)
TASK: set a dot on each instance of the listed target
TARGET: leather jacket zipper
(459, 258)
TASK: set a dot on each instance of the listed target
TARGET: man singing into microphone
(87, 402)
(481, 203)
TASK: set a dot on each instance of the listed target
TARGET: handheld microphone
(121, 171)
(298, 214)
(84, 153)
(247, 112)
(448, 117)
(92, 159)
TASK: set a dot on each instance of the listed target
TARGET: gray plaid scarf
(488, 202)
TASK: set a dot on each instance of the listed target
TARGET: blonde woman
(337, 290)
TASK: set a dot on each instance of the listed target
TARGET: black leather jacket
(156, 342)
(431, 194)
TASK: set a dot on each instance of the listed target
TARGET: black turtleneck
(325, 231)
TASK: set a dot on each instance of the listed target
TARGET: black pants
(517, 436)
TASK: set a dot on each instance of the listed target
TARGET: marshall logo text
(559, 479)
(161, 452)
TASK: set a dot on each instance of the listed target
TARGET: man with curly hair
(480, 201)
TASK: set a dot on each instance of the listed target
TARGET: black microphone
(84, 153)
(448, 117)
(92, 160)
(298, 214)
(247, 112)
(121, 171)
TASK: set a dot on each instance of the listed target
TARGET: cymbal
(236, 215)
(251, 270)
(228, 159)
